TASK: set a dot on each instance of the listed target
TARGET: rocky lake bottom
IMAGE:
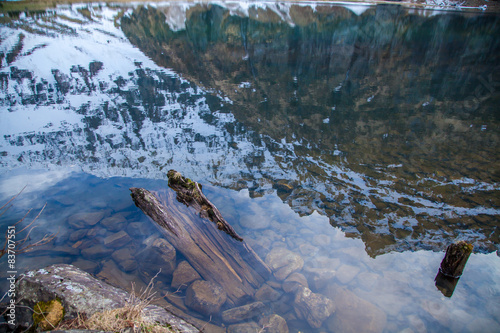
(102, 232)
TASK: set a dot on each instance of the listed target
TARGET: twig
(20, 246)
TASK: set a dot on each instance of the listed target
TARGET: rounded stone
(205, 297)
(293, 282)
(183, 275)
(273, 324)
(283, 262)
(314, 308)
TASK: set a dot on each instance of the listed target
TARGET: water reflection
(392, 292)
(375, 119)
(383, 120)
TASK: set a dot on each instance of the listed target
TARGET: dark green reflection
(390, 95)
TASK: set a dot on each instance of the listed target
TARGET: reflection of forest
(404, 98)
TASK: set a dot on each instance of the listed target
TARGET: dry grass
(122, 319)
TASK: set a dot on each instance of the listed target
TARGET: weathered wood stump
(201, 234)
(456, 257)
(452, 267)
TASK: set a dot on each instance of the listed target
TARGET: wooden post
(452, 267)
(207, 241)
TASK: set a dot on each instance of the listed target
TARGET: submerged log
(207, 241)
(452, 267)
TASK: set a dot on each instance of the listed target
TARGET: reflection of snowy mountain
(76, 92)
(121, 115)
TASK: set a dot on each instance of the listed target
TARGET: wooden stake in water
(452, 267)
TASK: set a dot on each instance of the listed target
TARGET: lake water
(364, 139)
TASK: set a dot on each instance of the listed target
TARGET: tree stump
(456, 257)
(200, 233)
(452, 267)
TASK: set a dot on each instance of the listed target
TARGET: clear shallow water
(358, 139)
(397, 289)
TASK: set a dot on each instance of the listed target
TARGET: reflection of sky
(45, 135)
(400, 284)
(31, 182)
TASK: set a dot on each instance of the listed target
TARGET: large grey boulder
(79, 292)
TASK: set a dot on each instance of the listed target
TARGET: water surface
(362, 138)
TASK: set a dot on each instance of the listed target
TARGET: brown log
(208, 242)
(189, 193)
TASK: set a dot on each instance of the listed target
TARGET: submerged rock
(117, 240)
(115, 222)
(113, 275)
(125, 259)
(242, 313)
(283, 262)
(293, 282)
(159, 256)
(273, 324)
(249, 327)
(254, 222)
(183, 275)
(315, 308)
(267, 293)
(96, 252)
(85, 220)
(78, 235)
(346, 273)
(354, 314)
(205, 297)
(138, 229)
(86, 265)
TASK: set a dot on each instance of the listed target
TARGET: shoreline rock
(79, 293)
